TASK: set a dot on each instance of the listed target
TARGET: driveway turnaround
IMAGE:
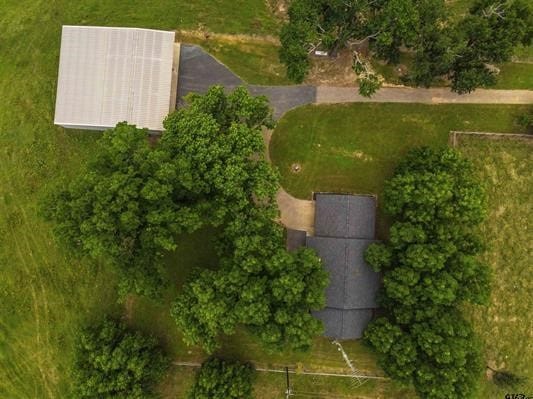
(198, 71)
(296, 214)
(285, 98)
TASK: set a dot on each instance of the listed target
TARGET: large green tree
(430, 267)
(332, 24)
(487, 36)
(121, 208)
(216, 142)
(216, 146)
(460, 50)
(223, 379)
(113, 362)
(133, 198)
(259, 285)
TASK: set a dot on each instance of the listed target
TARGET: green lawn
(524, 53)
(355, 147)
(515, 75)
(505, 326)
(272, 386)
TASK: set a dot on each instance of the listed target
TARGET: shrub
(222, 379)
(113, 362)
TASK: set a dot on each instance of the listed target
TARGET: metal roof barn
(109, 75)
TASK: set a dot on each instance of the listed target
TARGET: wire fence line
(315, 373)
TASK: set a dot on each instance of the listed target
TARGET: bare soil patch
(202, 34)
(332, 71)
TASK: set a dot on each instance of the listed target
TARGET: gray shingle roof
(344, 227)
(353, 284)
(344, 324)
(345, 216)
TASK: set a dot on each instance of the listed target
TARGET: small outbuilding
(109, 75)
(344, 227)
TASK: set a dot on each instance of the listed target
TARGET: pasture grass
(46, 294)
(504, 166)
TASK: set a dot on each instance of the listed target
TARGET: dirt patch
(128, 307)
(350, 154)
(279, 8)
(332, 71)
(202, 34)
(296, 168)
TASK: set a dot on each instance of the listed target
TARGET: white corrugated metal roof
(109, 75)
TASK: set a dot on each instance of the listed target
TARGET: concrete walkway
(296, 214)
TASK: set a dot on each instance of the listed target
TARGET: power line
(375, 377)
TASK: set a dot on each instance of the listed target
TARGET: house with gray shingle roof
(344, 227)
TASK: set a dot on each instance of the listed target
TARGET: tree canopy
(259, 284)
(460, 50)
(223, 379)
(120, 208)
(430, 267)
(113, 362)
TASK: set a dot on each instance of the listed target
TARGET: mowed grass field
(506, 326)
(354, 148)
(45, 293)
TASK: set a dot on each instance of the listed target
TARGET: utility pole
(288, 391)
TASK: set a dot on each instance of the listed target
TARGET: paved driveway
(198, 71)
